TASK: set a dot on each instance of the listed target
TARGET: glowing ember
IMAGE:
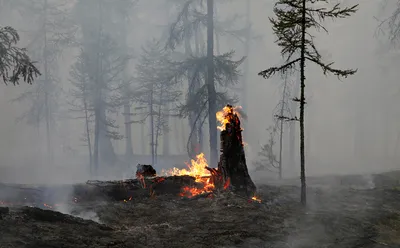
(196, 169)
(254, 198)
(226, 115)
(47, 206)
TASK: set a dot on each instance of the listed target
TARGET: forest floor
(356, 212)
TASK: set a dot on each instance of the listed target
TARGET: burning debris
(232, 170)
(198, 180)
(232, 165)
(144, 170)
(198, 170)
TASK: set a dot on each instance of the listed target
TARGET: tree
(121, 16)
(104, 65)
(15, 64)
(269, 160)
(81, 93)
(156, 91)
(53, 31)
(192, 20)
(292, 25)
(267, 156)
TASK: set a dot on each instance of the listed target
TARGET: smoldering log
(232, 165)
(18, 195)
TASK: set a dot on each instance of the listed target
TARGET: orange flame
(196, 169)
(226, 114)
(256, 199)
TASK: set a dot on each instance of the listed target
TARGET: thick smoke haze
(351, 125)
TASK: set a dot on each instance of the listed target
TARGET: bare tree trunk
(212, 120)
(302, 103)
(192, 91)
(182, 135)
(281, 127)
(88, 135)
(166, 132)
(197, 87)
(152, 128)
(159, 127)
(96, 140)
(292, 128)
(127, 102)
(128, 131)
(143, 146)
(177, 133)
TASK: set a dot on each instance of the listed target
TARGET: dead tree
(232, 165)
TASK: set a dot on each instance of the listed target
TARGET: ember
(196, 169)
(256, 199)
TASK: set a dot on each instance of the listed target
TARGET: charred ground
(342, 212)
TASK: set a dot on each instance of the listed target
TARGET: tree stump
(145, 170)
(232, 165)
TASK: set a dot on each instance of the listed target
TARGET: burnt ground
(345, 212)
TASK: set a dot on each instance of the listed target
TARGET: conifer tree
(195, 29)
(292, 25)
(52, 32)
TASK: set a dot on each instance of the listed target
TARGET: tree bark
(142, 125)
(292, 129)
(128, 131)
(96, 141)
(152, 128)
(166, 131)
(89, 143)
(281, 127)
(302, 103)
(212, 120)
(232, 164)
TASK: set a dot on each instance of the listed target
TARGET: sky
(351, 125)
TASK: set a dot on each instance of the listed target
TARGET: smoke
(350, 125)
(84, 214)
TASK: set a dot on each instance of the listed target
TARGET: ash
(337, 216)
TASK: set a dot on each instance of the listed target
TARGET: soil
(348, 214)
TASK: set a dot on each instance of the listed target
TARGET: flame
(256, 199)
(47, 206)
(196, 169)
(226, 114)
(140, 177)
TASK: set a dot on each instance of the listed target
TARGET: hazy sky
(359, 111)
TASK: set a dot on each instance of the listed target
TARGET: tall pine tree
(292, 25)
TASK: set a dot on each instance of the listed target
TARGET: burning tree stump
(232, 166)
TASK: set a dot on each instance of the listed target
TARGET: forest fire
(227, 115)
(198, 179)
(196, 169)
(208, 179)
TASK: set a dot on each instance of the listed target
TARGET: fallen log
(47, 196)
